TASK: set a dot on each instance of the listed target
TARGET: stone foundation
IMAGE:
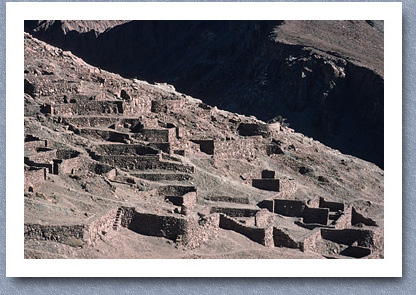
(263, 236)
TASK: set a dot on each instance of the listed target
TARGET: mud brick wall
(59, 233)
(235, 212)
(200, 231)
(169, 227)
(245, 148)
(262, 236)
(34, 176)
(95, 228)
(289, 207)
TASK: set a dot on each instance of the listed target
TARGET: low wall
(344, 220)
(87, 107)
(228, 199)
(175, 190)
(202, 230)
(316, 215)
(170, 227)
(309, 243)
(262, 236)
(332, 206)
(137, 105)
(267, 184)
(93, 121)
(290, 208)
(156, 135)
(107, 135)
(72, 235)
(253, 129)
(283, 239)
(263, 218)
(188, 199)
(68, 166)
(243, 148)
(34, 176)
(347, 236)
(124, 149)
(96, 227)
(235, 212)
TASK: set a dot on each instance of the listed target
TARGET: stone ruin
(132, 136)
(146, 151)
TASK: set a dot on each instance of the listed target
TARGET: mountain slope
(325, 77)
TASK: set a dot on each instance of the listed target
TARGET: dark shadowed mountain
(325, 77)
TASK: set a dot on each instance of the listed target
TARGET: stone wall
(262, 236)
(316, 215)
(137, 106)
(156, 135)
(167, 226)
(175, 190)
(91, 121)
(309, 243)
(344, 220)
(332, 206)
(86, 107)
(96, 227)
(283, 239)
(245, 148)
(107, 135)
(291, 208)
(228, 199)
(34, 176)
(235, 212)
(347, 236)
(124, 149)
(67, 234)
(263, 218)
(267, 184)
(200, 231)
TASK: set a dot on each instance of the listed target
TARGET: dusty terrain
(120, 168)
(325, 77)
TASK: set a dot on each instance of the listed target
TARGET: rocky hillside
(324, 77)
(120, 168)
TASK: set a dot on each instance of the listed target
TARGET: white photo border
(390, 266)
